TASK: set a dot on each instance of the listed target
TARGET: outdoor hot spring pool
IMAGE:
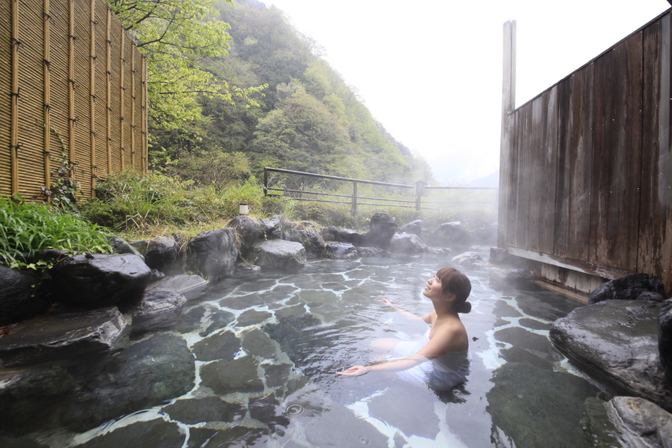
(282, 339)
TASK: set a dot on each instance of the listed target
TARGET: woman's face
(434, 289)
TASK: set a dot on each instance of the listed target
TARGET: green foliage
(128, 201)
(62, 193)
(216, 168)
(175, 36)
(26, 228)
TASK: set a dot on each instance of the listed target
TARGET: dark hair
(455, 282)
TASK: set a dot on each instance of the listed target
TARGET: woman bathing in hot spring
(440, 359)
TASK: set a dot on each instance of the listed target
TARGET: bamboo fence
(74, 94)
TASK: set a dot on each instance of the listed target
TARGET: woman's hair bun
(464, 308)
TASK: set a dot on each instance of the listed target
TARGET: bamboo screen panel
(586, 168)
(73, 85)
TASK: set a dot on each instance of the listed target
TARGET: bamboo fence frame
(72, 78)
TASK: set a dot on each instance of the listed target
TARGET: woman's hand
(355, 371)
(386, 302)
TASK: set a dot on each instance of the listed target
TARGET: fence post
(419, 190)
(265, 182)
(354, 198)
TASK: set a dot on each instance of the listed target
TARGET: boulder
(381, 229)
(450, 234)
(119, 246)
(628, 287)
(158, 309)
(163, 254)
(18, 300)
(99, 280)
(146, 374)
(190, 286)
(272, 227)
(311, 241)
(340, 251)
(413, 228)
(280, 256)
(622, 349)
(640, 422)
(469, 259)
(341, 235)
(246, 270)
(50, 337)
(665, 339)
(407, 244)
(249, 233)
(213, 254)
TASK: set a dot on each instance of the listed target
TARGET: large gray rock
(640, 422)
(18, 300)
(382, 228)
(272, 227)
(413, 227)
(341, 235)
(450, 234)
(190, 286)
(50, 337)
(163, 254)
(311, 241)
(537, 407)
(279, 256)
(144, 375)
(158, 308)
(469, 259)
(618, 341)
(213, 254)
(249, 233)
(120, 246)
(407, 244)
(628, 287)
(100, 280)
(341, 251)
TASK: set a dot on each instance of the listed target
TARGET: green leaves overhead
(176, 36)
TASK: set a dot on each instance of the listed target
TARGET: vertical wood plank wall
(71, 89)
(588, 163)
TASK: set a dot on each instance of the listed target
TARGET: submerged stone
(228, 377)
(201, 410)
(222, 345)
(153, 433)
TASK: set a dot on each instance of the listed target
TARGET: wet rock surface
(629, 287)
(68, 335)
(19, 301)
(99, 280)
(622, 349)
(280, 256)
(212, 254)
(158, 308)
(537, 407)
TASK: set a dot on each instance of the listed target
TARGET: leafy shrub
(30, 227)
(128, 200)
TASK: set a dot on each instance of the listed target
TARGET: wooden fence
(415, 195)
(73, 89)
(586, 166)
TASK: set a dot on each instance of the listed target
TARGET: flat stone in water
(242, 302)
(277, 374)
(534, 324)
(268, 411)
(536, 307)
(222, 345)
(534, 343)
(256, 342)
(252, 317)
(228, 377)
(153, 433)
(536, 407)
(209, 409)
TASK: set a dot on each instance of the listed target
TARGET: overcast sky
(430, 71)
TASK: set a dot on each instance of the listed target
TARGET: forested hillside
(300, 115)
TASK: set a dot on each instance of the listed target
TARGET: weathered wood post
(508, 105)
(419, 190)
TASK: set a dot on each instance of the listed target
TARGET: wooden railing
(416, 190)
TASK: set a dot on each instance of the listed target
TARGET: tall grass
(27, 228)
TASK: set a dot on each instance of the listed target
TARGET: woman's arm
(393, 366)
(403, 311)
